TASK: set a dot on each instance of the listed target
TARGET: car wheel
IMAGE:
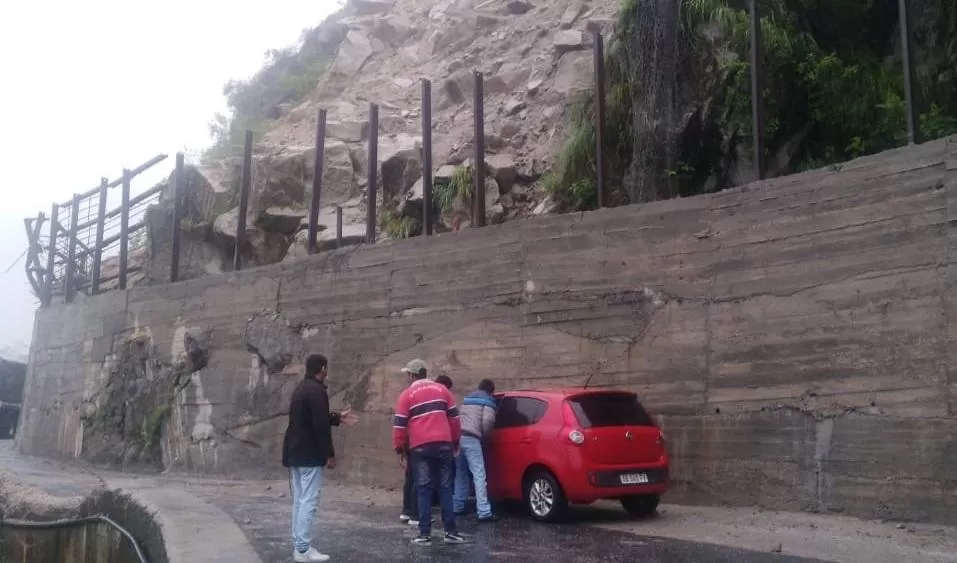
(544, 497)
(640, 505)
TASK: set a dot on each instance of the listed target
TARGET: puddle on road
(93, 542)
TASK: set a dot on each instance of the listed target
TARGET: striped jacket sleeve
(455, 423)
(400, 423)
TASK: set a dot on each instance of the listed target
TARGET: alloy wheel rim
(541, 497)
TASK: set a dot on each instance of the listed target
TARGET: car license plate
(633, 478)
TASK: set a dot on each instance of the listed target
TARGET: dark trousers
(410, 500)
(433, 471)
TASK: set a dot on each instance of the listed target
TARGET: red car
(575, 446)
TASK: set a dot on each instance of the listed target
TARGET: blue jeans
(471, 459)
(305, 484)
(432, 464)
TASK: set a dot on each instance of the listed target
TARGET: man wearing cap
(426, 428)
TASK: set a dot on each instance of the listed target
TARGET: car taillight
(575, 435)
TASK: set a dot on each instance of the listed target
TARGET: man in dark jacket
(307, 449)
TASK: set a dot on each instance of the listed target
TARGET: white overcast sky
(91, 87)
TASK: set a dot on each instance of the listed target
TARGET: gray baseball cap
(414, 367)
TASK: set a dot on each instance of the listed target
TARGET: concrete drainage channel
(75, 540)
(106, 527)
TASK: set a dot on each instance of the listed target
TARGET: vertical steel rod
(317, 181)
(47, 297)
(338, 226)
(427, 156)
(244, 201)
(478, 171)
(757, 91)
(124, 228)
(372, 173)
(98, 245)
(179, 196)
(600, 187)
(70, 281)
(910, 78)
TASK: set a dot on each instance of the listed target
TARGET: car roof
(562, 392)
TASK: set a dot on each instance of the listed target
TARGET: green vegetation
(153, 426)
(457, 192)
(833, 89)
(288, 77)
(398, 226)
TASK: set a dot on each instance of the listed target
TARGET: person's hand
(331, 463)
(347, 417)
(403, 462)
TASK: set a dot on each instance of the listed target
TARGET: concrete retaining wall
(795, 334)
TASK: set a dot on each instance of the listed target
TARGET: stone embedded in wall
(276, 343)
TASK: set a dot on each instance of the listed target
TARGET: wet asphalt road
(356, 531)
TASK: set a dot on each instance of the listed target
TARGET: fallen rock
(571, 15)
(455, 89)
(348, 131)
(502, 168)
(283, 220)
(367, 7)
(444, 174)
(517, 7)
(546, 206)
(399, 165)
(567, 40)
(354, 51)
(513, 106)
(534, 85)
(573, 73)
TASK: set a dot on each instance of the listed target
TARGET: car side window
(514, 412)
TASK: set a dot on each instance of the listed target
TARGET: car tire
(641, 506)
(544, 498)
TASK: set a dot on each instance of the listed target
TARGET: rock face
(532, 55)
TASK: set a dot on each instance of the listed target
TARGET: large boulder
(502, 168)
(209, 190)
(574, 73)
(400, 165)
(354, 51)
(282, 220)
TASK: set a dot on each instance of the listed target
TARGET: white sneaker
(403, 518)
(310, 556)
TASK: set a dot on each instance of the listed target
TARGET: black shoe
(487, 519)
(454, 538)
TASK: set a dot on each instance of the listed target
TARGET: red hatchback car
(575, 446)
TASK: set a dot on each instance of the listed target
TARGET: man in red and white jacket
(426, 424)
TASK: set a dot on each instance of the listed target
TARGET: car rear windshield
(599, 410)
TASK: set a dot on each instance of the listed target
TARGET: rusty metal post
(338, 226)
(317, 180)
(478, 171)
(124, 228)
(47, 297)
(98, 245)
(179, 193)
(245, 184)
(372, 172)
(910, 77)
(427, 157)
(69, 280)
(600, 187)
(757, 91)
